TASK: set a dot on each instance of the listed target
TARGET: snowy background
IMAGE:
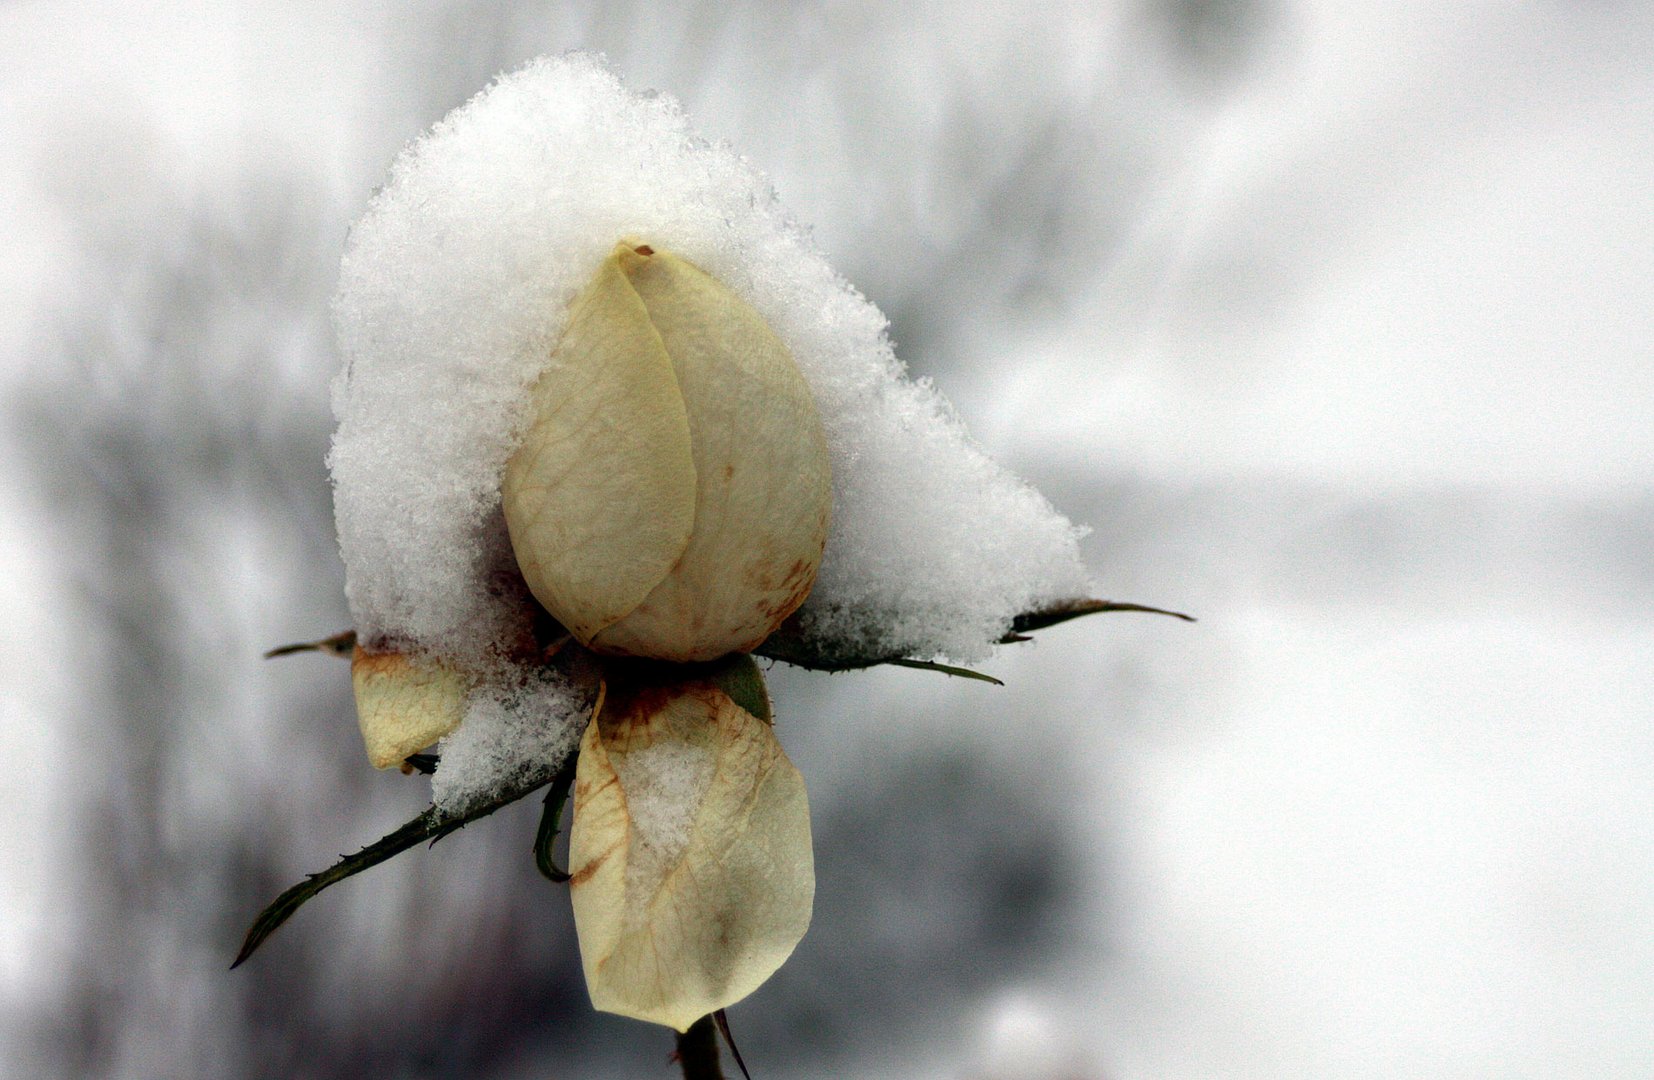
(1332, 320)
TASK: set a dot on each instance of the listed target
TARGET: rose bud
(671, 494)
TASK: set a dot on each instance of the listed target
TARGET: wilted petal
(404, 705)
(600, 497)
(764, 483)
(692, 871)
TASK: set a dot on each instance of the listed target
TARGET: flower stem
(698, 1051)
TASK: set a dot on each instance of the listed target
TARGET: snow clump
(454, 289)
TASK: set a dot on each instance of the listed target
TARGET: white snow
(666, 782)
(454, 290)
(510, 727)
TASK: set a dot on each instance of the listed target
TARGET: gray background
(1331, 319)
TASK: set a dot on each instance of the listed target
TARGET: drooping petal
(693, 877)
(404, 705)
(600, 497)
(764, 483)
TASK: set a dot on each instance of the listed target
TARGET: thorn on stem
(550, 822)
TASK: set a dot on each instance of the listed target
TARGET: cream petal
(404, 705)
(693, 877)
(764, 488)
(600, 497)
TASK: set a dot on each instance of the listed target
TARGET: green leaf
(341, 644)
(432, 825)
(791, 645)
(1073, 609)
(739, 677)
(946, 669)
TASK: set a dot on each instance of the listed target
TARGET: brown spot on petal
(584, 874)
(380, 663)
(630, 709)
(798, 581)
(630, 704)
(584, 791)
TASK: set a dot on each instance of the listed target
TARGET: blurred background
(1332, 320)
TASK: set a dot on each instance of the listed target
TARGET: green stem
(698, 1051)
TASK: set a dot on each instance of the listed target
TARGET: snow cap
(454, 289)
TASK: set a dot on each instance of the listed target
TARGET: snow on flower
(456, 286)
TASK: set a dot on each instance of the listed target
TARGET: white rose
(670, 498)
